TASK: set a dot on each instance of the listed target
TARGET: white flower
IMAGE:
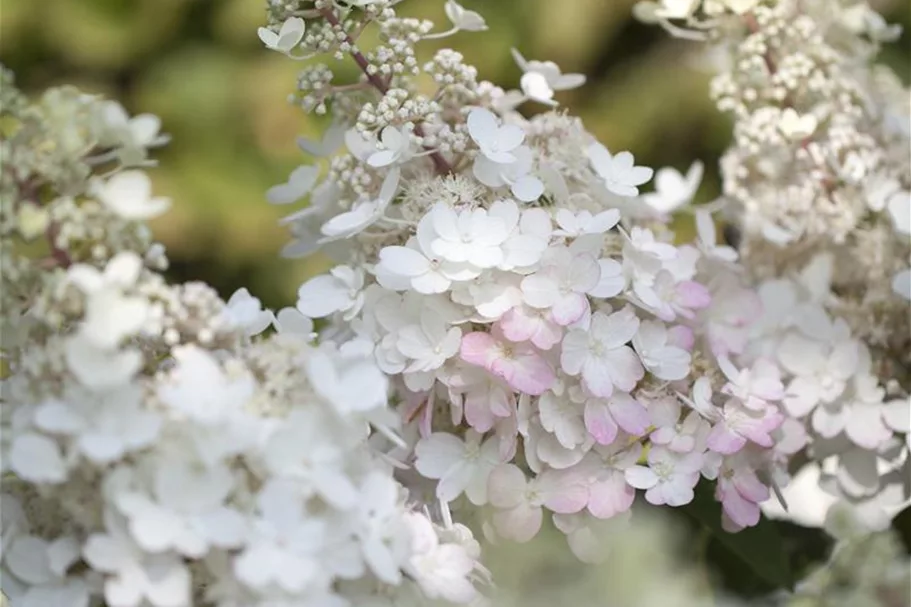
(43, 566)
(577, 224)
(289, 321)
(100, 368)
(429, 344)
(130, 136)
(472, 236)
(331, 141)
(135, 578)
(289, 36)
(350, 381)
(462, 19)
(284, 548)
(461, 466)
(497, 143)
(246, 312)
(540, 79)
(561, 285)
(363, 214)
(673, 189)
(129, 195)
(821, 371)
(662, 359)
(503, 159)
(105, 425)
(300, 182)
(669, 477)
(441, 570)
(600, 354)
(619, 173)
(37, 458)
(341, 290)
(380, 528)
(395, 148)
(187, 514)
(199, 388)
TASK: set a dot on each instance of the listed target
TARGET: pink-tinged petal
(681, 337)
(506, 486)
(438, 453)
(528, 372)
(625, 368)
(518, 325)
(548, 334)
(610, 496)
(569, 308)
(693, 295)
(741, 511)
(865, 426)
(562, 493)
(599, 423)
(596, 378)
(629, 413)
(664, 411)
(749, 486)
(478, 348)
(759, 429)
(641, 477)
(679, 491)
(723, 440)
(663, 435)
(519, 524)
(478, 413)
(454, 482)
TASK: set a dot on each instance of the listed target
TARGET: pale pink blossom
(669, 477)
(519, 500)
(605, 416)
(739, 424)
(519, 364)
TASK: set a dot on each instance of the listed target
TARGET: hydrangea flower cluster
(552, 350)
(818, 181)
(157, 449)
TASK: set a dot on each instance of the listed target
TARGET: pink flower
(676, 434)
(604, 467)
(519, 500)
(755, 386)
(519, 364)
(603, 417)
(739, 424)
(740, 492)
(524, 323)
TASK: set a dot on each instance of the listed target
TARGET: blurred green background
(200, 66)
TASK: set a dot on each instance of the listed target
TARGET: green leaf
(760, 548)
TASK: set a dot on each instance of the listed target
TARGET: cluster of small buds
(398, 107)
(457, 81)
(313, 86)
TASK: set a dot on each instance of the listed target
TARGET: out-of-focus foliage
(199, 65)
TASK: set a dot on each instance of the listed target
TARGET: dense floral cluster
(153, 452)
(511, 330)
(552, 350)
(818, 180)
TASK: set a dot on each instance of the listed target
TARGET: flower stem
(441, 165)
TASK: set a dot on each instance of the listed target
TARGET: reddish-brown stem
(441, 165)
